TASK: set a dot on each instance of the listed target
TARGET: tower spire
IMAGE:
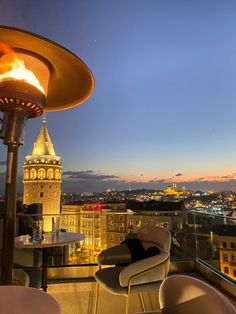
(43, 144)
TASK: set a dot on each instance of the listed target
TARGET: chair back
(20, 278)
(181, 294)
(152, 235)
(26, 300)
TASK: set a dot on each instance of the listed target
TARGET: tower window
(41, 186)
(41, 194)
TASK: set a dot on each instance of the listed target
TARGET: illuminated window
(33, 174)
(122, 228)
(165, 224)
(26, 174)
(111, 237)
(225, 258)
(57, 174)
(121, 217)
(234, 272)
(110, 227)
(50, 174)
(110, 219)
(226, 270)
(41, 174)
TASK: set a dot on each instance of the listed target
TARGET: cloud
(158, 181)
(87, 175)
(223, 178)
(91, 181)
(219, 183)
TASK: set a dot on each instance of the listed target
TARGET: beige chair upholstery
(152, 312)
(20, 278)
(26, 300)
(139, 276)
(181, 294)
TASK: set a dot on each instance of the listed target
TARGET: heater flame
(11, 67)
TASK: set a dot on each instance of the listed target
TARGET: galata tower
(42, 177)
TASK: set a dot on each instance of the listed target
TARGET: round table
(50, 240)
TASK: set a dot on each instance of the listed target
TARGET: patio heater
(36, 75)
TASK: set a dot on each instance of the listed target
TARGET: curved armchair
(26, 300)
(139, 276)
(181, 294)
(20, 278)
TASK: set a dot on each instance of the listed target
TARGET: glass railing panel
(215, 238)
(105, 229)
(211, 238)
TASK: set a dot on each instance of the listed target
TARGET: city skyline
(163, 108)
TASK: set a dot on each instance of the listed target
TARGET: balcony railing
(206, 237)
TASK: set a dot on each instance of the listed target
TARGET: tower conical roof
(43, 144)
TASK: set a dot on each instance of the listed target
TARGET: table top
(50, 240)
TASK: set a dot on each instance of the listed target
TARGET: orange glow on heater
(11, 67)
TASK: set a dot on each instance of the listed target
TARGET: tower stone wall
(42, 177)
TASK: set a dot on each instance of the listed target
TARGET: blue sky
(164, 101)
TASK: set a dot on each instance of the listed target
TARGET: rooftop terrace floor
(78, 298)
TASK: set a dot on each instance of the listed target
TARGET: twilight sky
(164, 105)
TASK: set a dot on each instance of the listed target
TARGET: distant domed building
(42, 176)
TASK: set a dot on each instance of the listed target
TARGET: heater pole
(9, 215)
(21, 99)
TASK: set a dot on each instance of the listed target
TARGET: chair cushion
(119, 254)
(137, 250)
(108, 278)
